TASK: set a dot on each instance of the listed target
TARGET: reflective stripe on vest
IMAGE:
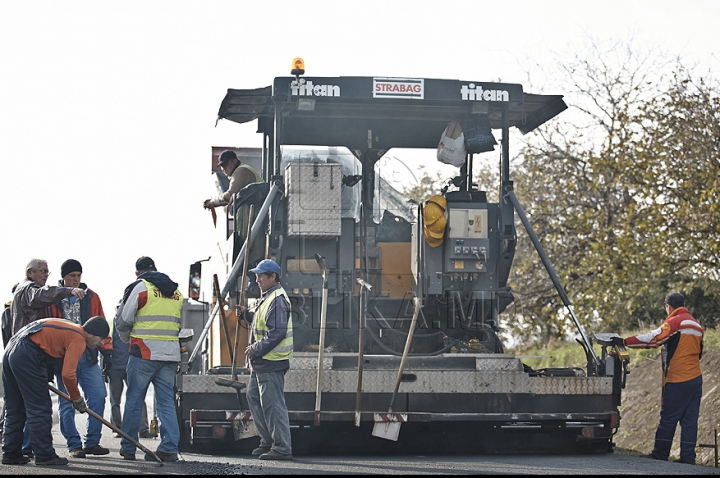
(284, 349)
(160, 318)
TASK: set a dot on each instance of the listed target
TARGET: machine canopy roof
(400, 112)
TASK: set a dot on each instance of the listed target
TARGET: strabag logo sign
(399, 88)
(307, 88)
(472, 92)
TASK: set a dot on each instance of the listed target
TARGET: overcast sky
(108, 109)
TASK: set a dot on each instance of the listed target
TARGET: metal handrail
(237, 267)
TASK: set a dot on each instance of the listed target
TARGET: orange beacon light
(298, 67)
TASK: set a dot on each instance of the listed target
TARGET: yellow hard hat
(437, 228)
(435, 221)
(435, 232)
(439, 200)
(432, 213)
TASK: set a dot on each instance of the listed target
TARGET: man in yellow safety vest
(268, 357)
(149, 319)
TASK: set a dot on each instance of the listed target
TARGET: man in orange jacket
(36, 347)
(681, 338)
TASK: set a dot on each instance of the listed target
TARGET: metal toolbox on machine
(314, 192)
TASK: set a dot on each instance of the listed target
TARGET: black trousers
(25, 378)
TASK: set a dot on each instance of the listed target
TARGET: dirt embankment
(640, 408)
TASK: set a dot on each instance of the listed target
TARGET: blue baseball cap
(266, 265)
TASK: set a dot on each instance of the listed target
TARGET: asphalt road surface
(196, 464)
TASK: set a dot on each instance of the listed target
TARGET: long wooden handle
(107, 423)
(223, 320)
(405, 352)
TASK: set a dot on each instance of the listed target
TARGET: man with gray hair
(32, 298)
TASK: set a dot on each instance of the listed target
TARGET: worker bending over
(32, 353)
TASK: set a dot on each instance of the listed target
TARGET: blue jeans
(680, 404)
(266, 400)
(140, 374)
(92, 384)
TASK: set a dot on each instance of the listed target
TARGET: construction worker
(681, 338)
(7, 323)
(149, 319)
(268, 357)
(32, 298)
(32, 350)
(6, 335)
(89, 375)
(240, 176)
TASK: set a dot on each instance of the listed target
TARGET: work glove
(79, 405)
(107, 363)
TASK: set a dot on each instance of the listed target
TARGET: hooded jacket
(130, 313)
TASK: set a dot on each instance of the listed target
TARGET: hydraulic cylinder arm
(510, 194)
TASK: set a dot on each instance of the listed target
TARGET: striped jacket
(681, 338)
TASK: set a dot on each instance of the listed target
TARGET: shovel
(224, 381)
(364, 289)
(389, 427)
(321, 347)
(221, 307)
(113, 427)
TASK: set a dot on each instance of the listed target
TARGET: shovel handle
(221, 308)
(110, 425)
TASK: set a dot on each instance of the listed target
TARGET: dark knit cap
(70, 265)
(145, 264)
(97, 326)
(675, 299)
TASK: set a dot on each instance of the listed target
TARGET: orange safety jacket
(681, 337)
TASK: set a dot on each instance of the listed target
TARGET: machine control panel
(467, 255)
(468, 243)
(469, 249)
